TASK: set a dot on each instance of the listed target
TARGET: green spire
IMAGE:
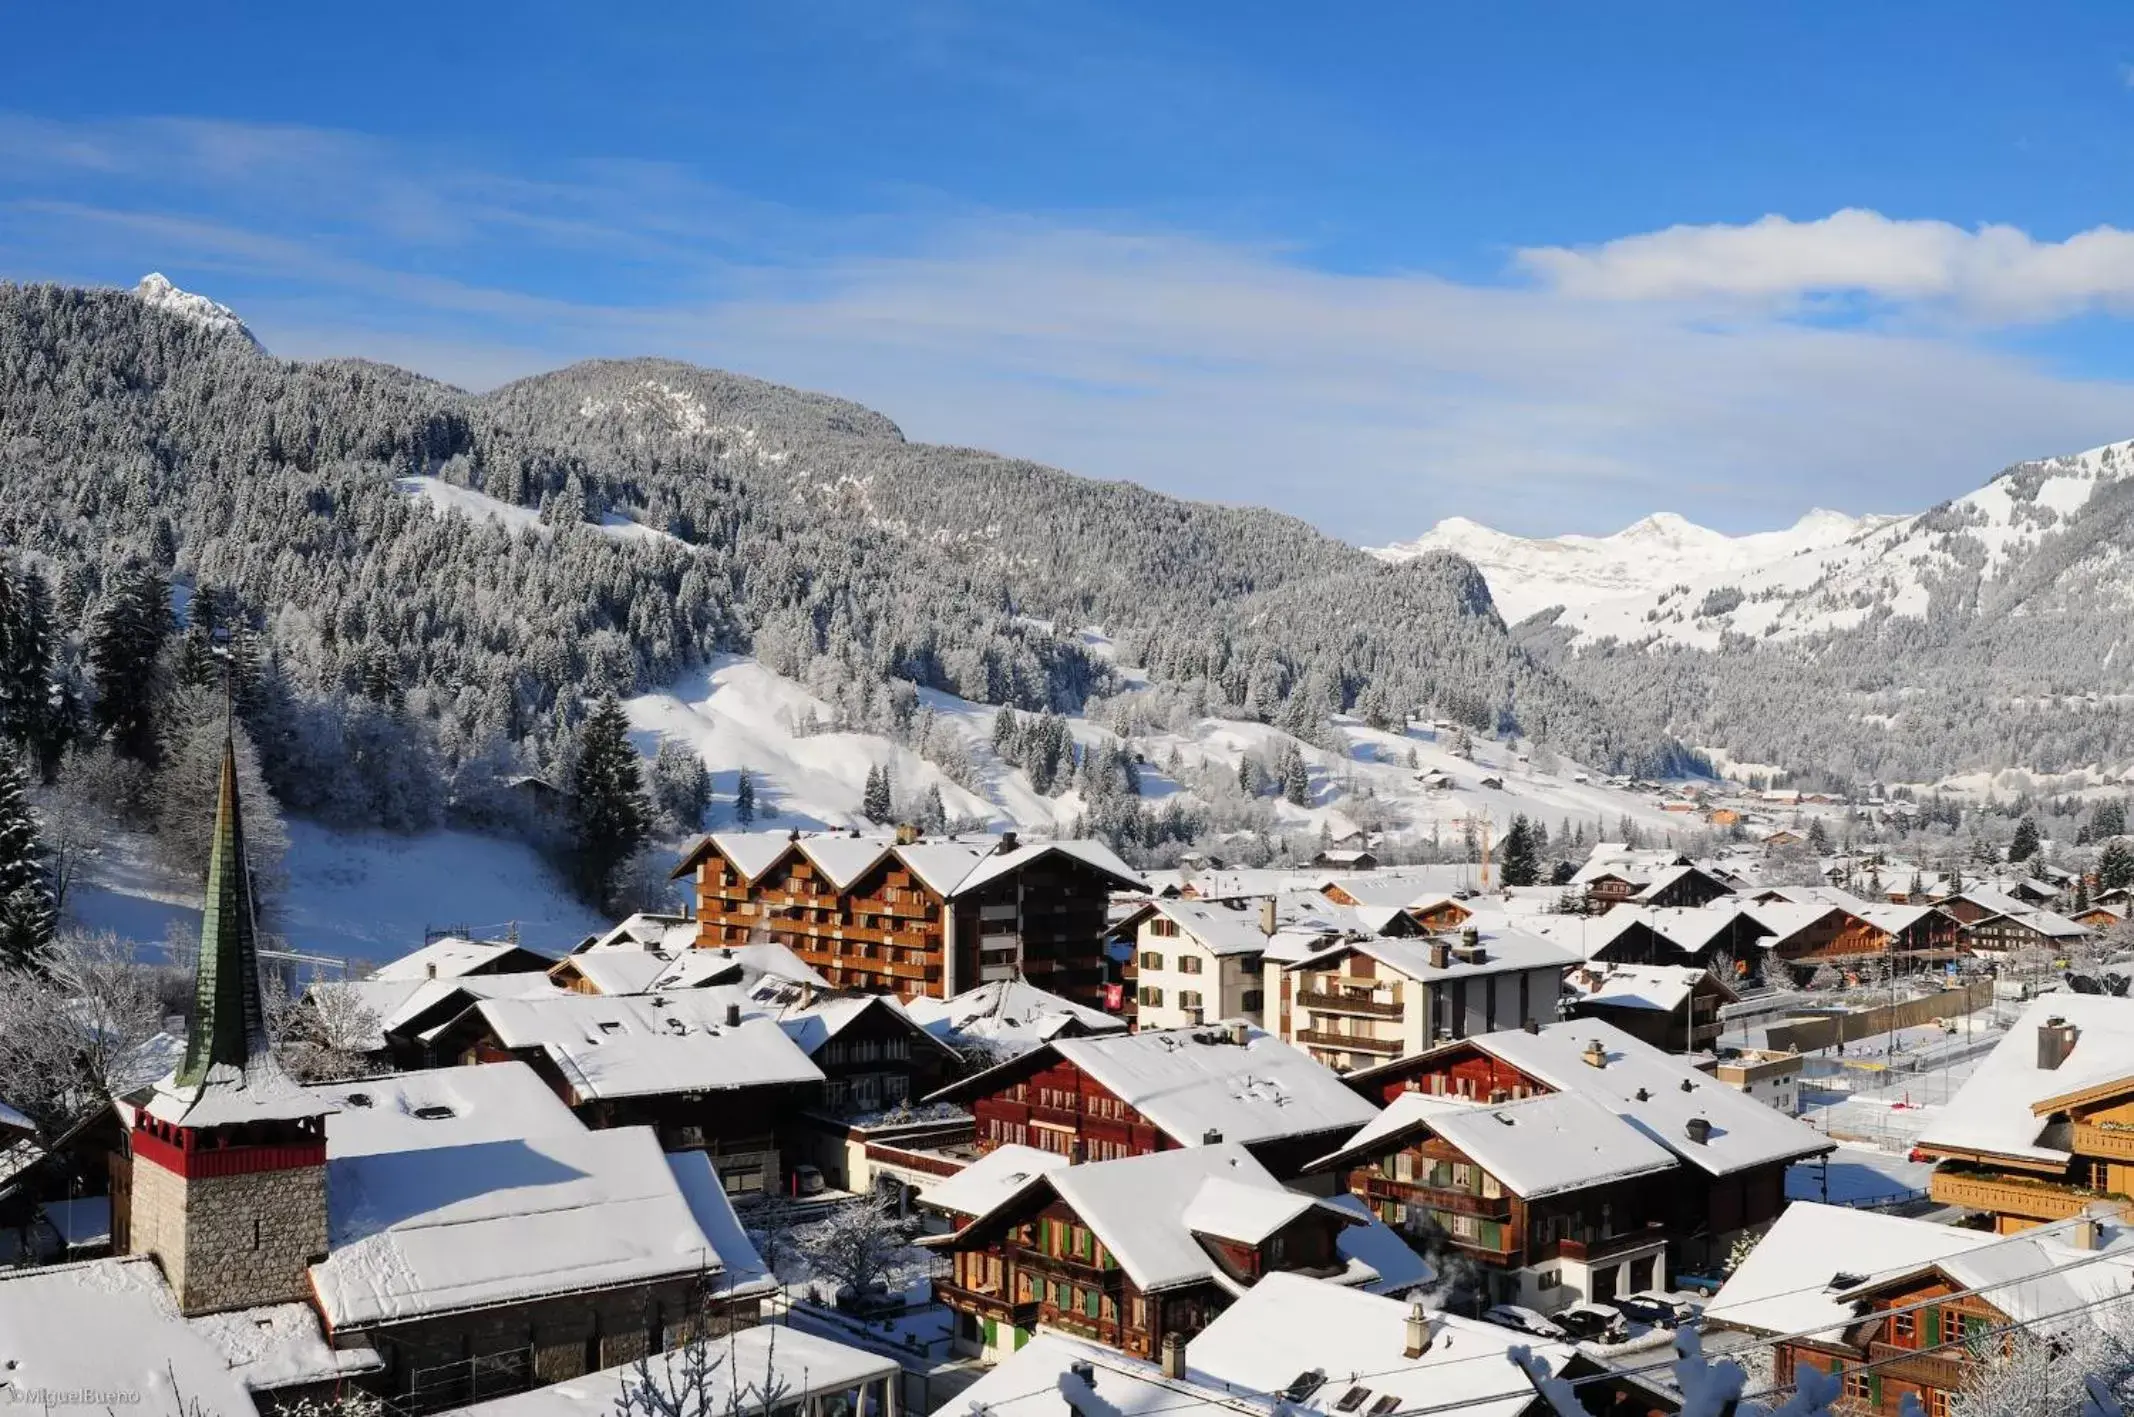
(229, 1024)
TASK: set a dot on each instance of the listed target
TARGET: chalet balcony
(1948, 1369)
(2113, 1143)
(2026, 1197)
(1322, 1001)
(985, 1303)
(1593, 1248)
(1350, 1042)
(1460, 1202)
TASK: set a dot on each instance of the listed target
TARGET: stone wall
(231, 1242)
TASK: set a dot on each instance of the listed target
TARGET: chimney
(1595, 1055)
(1698, 1129)
(906, 833)
(1083, 1371)
(1418, 1332)
(1240, 1032)
(1532, 1025)
(1440, 954)
(1471, 937)
(1174, 1357)
(429, 969)
(1211, 1137)
(2056, 1039)
(1267, 916)
(733, 1015)
(1008, 843)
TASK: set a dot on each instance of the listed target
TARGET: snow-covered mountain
(155, 289)
(1528, 574)
(1968, 551)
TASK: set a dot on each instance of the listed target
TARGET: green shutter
(1933, 1328)
(1022, 1336)
(992, 1333)
(1091, 1303)
(1874, 1389)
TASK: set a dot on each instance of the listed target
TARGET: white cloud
(1995, 273)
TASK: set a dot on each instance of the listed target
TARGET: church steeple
(229, 1022)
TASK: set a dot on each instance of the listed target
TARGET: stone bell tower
(229, 1155)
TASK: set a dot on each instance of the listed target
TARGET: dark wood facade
(1920, 1337)
(1697, 1208)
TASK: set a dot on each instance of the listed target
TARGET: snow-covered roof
(1537, 1146)
(111, 1325)
(1814, 1253)
(992, 1179)
(2045, 922)
(1787, 918)
(1217, 928)
(1504, 950)
(1613, 858)
(1288, 1325)
(1009, 1016)
(645, 931)
(790, 1362)
(1377, 1259)
(1044, 1378)
(1659, 987)
(742, 1269)
(1093, 854)
(714, 964)
(279, 1346)
(750, 853)
(398, 1003)
(433, 1230)
(1191, 1081)
(448, 958)
(614, 971)
(257, 1092)
(942, 865)
(843, 859)
(438, 1107)
(1248, 1214)
(2036, 1278)
(641, 1044)
(1993, 1112)
(1657, 1093)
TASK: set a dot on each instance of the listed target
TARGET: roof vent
(1644, 1096)
(2056, 1039)
(1471, 937)
(1688, 1086)
(1595, 1055)
(357, 1099)
(1302, 1386)
(1240, 1032)
(1532, 1025)
(1211, 1137)
(793, 835)
(1698, 1129)
(906, 833)
(1008, 843)
(1085, 1370)
(435, 1112)
(733, 1015)
(1440, 954)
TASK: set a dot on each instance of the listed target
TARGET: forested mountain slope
(664, 512)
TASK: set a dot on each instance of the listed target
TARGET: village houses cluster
(1312, 1139)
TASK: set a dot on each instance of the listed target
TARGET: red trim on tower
(227, 1160)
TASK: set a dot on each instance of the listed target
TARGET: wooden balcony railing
(1432, 1198)
(1322, 1001)
(2005, 1195)
(1350, 1042)
(1948, 1368)
(2111, 1142)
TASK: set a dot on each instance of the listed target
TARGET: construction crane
(1479, 824)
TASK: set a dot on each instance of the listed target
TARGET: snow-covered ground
(352, 895)
(1858, 1175)
(449, 498)
(1527, 574)
(739, 714)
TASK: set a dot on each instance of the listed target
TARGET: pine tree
(680, 785)
(877, 802)
(745, 798)
(2025, 844)
(610, 817)
(2115, 865)
(933, 816)
(1522, 866)
(1296, 779)
(28, 915)
(126, 639)
(1818, 837)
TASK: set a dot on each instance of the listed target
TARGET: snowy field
(352, 895)
(739, 714)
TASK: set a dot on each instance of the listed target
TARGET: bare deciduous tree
(73, 1030)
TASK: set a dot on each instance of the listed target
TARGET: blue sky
(1548, 267)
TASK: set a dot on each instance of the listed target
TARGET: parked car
(1594, 1323)
(1522, 1319)
(807, 1180)
(1645, 1309)
(1649, 1306)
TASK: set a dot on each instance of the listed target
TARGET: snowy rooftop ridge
(156, 290)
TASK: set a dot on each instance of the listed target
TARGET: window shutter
(1933, 1328)
(1874, 1388)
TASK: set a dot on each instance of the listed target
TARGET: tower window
(255, 1232)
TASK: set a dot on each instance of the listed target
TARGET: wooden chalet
(1111, 1096)
(911, 917)
(1733, 1150)
(1673, 1008)
(1128, 1253)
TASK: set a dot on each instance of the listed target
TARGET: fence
(1808, 1034)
